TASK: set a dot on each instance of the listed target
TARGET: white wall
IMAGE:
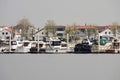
(106, 32)
(17, 37)
(6, 34)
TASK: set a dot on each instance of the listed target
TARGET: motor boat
(83, 47)
(34, 47)
(26, 45)
(55, 45)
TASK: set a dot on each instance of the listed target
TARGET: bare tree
(50, 27)
(115, 27)
(24, 26)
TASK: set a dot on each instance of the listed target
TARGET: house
(41, 33)
(60, 32)
(118, 34)
(31, 32)
(106, 32)
(82, 32)
(5, 32)
(17, 36)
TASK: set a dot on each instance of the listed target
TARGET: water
(60, 67)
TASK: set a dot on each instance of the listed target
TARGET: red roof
(85, 27)
(17, 33)
(7, 28)
(102, 28)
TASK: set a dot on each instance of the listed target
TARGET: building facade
(60, 32)
(5, 33)
(106, 32)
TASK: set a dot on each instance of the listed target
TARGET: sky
(63, 12)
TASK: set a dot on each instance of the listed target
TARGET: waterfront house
(40, 33)
(17, 36)
(82, 31)
(60, 32)
(6, 32)
(106, 32)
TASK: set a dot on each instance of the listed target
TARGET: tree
(24, 26)
(70, 30)
(74, 33)
(50, 28)
(115, 27)
(92, 30)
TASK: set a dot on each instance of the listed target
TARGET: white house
(106, 32)
(60, 32)
(41, 33)
(5, 33)
(17, 36)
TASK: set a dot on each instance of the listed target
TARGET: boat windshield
(12, 43)
(63, 45)
(56, 43)
(25, 43)
(40, 45)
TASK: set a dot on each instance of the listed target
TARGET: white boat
(26, 45)
(115, 48)
(7, 46)
(57, 46)
(36, 49)
(19, 43)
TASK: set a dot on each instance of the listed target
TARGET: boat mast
(67, 41)
(98, 41)
(38, 42)
(10, 43)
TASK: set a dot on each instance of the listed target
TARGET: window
(7, 37)
(6, 33)
(109, 32)
(2, 33)
(63, 45)
(13, 43)
(59, 34)
(82, 30)
(56, 43)
(60, 29)
(25, 44)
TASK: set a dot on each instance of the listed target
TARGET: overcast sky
(63, 12)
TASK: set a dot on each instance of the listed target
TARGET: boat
(57, 46)
(26, 45)
(34, 48)
(83, 47)
(7, 47)
(19, 43)
(115, 48)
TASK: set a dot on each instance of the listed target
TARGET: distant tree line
(24, 26)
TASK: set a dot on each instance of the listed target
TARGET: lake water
(59, 67)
